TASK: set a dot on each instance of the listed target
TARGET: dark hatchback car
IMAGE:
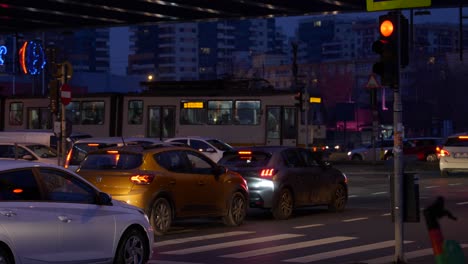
(283, 178)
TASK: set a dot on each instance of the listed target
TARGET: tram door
(161, 122)
(281, 125)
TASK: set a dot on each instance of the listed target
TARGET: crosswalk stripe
(408, 255)
(343, 252)
(230, 244)
(307, 226)
(287, 247)
(199, 238)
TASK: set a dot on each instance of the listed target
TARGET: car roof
(146, 148)
(22, 143)
(17, 164)
(115, 140)
(193, 137)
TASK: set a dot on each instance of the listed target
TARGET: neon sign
(3, 51)
(32, 57)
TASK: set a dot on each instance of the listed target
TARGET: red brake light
(245, 152)
(463, 137)
(67, 159)
(444, 153)
(142, 179)
(267, 173)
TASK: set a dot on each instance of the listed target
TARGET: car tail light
(444, 153)
(267, 173)
(142, 179)
(463, 137)
(67, 160)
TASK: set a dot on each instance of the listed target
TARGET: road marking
(355, 219)
(455, 184)
(170, 262)
(462, 203)
(387, 214)
(304, 244)
(230, 244)
(377, 193)
(308, 226)
(198, 238)
(408, 255)
(431, 187)
(343, 252)
(353, 196)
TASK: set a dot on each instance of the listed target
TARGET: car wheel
(237, 210)
(431, 157)
(161, 216)
(356, 157)
(339, 199)
(132, 249)
(284, 207)
(444, 173)
(5, 257)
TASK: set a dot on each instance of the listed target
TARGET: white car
(367, 152)
(453, 156)
(51, 215)
(211, 147)
(28, 151)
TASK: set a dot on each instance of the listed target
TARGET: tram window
(219, 112)
(39, 118)
(16, 114)
(135, 112)
(93, 113)
(247, 112)
(192, 116)
(73, 112)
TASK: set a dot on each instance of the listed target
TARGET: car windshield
(43, 151)
(220, 145)
(114, 161)
(80, 150)
(456, 142)
(245, 159)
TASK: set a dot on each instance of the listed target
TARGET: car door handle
(64, 219)
(7, 213)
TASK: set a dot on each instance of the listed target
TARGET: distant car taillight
(267, 173)
(444, 153)
(142, 179)
(67, 160)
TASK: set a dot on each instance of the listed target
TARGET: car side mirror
(104, 199)
(218, 170)
(27, 157)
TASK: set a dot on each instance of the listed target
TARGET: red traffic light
(386, 28)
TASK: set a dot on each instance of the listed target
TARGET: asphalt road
(363, 233)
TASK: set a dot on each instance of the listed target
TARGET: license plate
(460, 155)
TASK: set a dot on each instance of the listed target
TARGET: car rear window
(117, 161)
(457, 142)
(80, 150)
(245, 159)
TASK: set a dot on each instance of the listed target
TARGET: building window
(135, 112)
(16, 114)
(219, 112)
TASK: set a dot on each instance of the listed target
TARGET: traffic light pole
(398, 156)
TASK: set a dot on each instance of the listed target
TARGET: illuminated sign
(193, 105)
(3, 51)
(315, 100)
(377, 5)
(32, 57)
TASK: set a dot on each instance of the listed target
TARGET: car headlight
(349, 153)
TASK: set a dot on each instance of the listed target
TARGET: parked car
(420, 148)
(168, 182)
(369, 152)
(81, 147)
(51, 215)
(454, 155)
(28, 151)
(211, 147)
(283, 178)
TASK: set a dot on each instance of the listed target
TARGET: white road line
(308, 226)
(455, 184)
(355, 219)
(408, 255)
(431, 187)
(353, 196)
(377, 193)
(343, 252)
(387, 214)
(170, 262)
(230, 244)
(198, 238)
(462, 203)
(304, 244)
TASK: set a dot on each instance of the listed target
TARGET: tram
(239, 113)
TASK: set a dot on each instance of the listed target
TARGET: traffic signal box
(299, 97)
(389, 46)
